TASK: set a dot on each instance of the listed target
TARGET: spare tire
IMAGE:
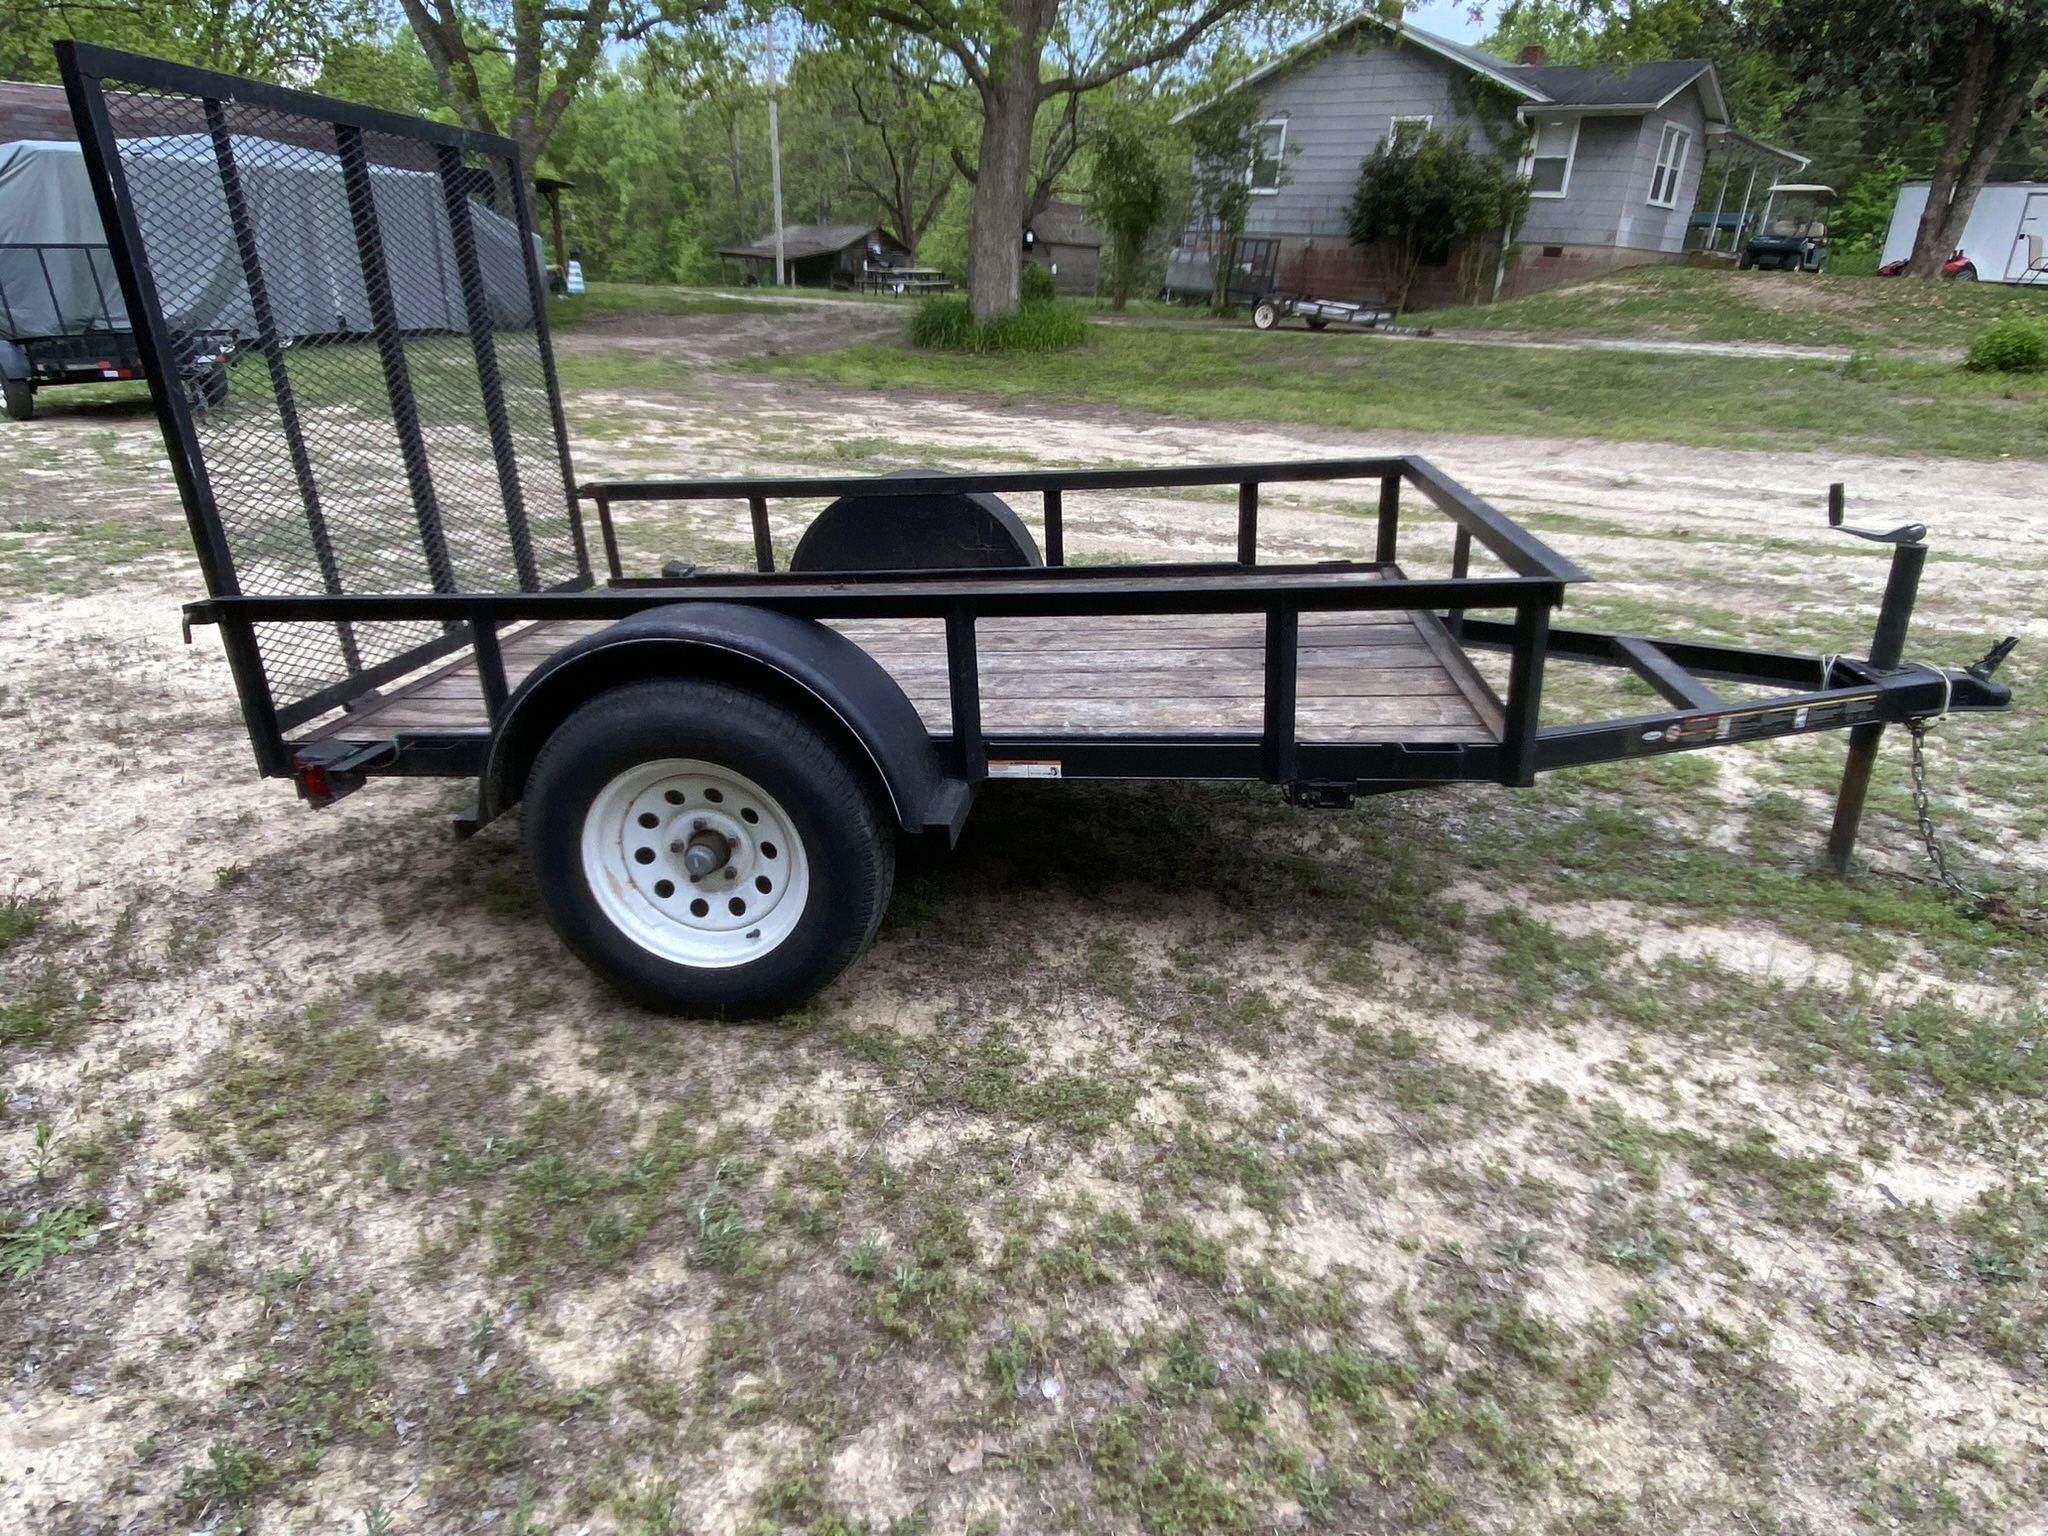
(934, 531)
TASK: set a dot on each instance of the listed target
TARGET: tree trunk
(2005, 102)
(740, 211)
(1928, 252)
(1222, 247)
(1009, 107)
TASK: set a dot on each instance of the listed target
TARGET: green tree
(1224, 139)
(874, 128)
(1865, 214)
(1128, 189)
(1427, 192)
(512, 67)
(1981, 66)
(1016, 56)
(265, 39)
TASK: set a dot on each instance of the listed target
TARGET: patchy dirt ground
(1575, 1160)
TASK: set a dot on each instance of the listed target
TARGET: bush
(1046, 325)
(2013, 343)
(1427, 192)
(944, 323)
(1034, 284)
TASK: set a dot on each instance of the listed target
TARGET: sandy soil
(605, 1269)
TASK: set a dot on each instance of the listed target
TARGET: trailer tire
(1744, 262)
(801, 856)
(1318, 323)
(20, 399)
(1265, 315)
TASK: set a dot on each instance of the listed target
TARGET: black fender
(800, 663)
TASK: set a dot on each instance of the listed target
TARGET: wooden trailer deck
(1364, 676)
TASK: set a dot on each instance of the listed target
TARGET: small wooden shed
(1063, 240)
(821, 255)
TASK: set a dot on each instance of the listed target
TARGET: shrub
(944, 323)
(2013, 343)
(1034, 284)
(1047, 325)
(1419, 193)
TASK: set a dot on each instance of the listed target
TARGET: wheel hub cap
(704, 852)
(695, 863)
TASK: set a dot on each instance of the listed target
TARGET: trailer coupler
(325, 771)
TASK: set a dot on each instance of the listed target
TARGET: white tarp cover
(299, 208)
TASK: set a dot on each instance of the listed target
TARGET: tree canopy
(1978, 67)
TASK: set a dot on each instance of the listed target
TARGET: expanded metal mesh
(353, 318)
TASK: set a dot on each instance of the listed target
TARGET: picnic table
(904, 280)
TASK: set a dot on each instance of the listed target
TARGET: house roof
(31, 111)
(804, 240)
(1640, 88)
(1065, 224)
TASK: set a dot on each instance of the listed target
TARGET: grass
(605, 299)
(28, 1245)
(1706, 304)
(1377, 384)
(1206, 1167)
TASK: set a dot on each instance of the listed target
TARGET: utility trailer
(715, 767)
(1321, 314)
(50, 336)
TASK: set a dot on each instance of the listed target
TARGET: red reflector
(314, 783)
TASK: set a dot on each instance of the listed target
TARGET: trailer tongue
(716, 765)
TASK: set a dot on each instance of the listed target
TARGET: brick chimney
(1535, 54)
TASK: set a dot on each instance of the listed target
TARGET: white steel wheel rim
(638, 840)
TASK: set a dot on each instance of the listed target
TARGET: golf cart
(1792, 232)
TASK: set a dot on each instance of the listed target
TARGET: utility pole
(775, 155)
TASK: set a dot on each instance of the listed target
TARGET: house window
(1550, 156)
(1267, 156)
(1671, 155)
(1407, 129)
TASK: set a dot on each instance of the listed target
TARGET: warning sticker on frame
(1768, 720)
(1024, 768)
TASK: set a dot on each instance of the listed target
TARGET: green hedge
(1044, 325)
(2013, 343)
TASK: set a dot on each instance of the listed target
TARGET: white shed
(2007, 236)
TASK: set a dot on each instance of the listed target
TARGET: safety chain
(1922, 809)
(2000, 909)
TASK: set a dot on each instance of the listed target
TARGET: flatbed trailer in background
(40, 342)
(716, 765)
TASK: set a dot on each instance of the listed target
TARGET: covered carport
(1747, 166)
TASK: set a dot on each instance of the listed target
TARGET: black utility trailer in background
(715, 766)
(46, 341)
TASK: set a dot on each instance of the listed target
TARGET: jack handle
(1905, 533)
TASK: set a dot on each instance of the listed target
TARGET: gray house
(1613, 157)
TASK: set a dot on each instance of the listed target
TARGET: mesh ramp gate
(342, 313)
